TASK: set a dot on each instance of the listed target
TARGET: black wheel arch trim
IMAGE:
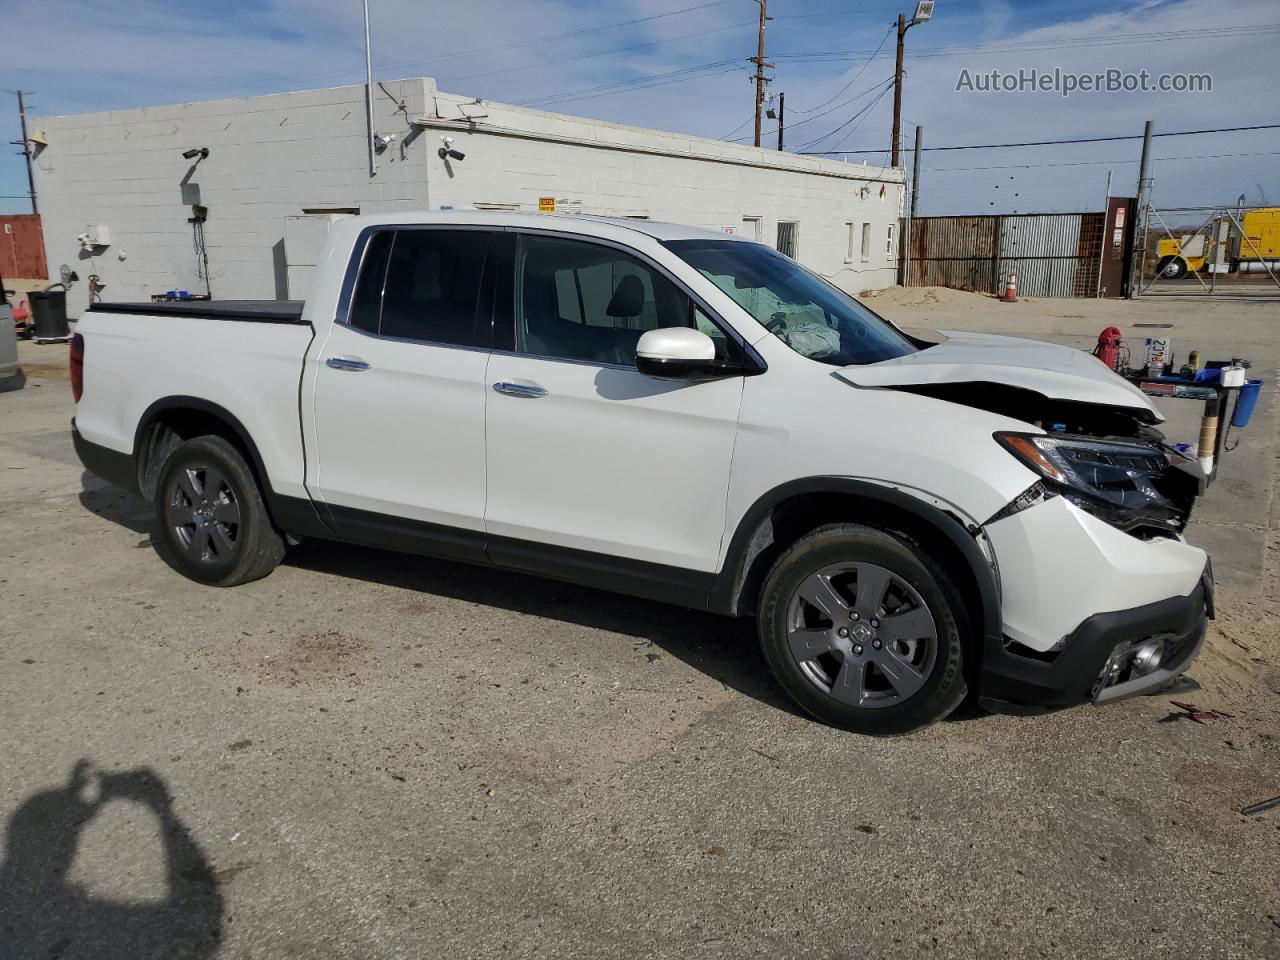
(727, 590)
(291, 514)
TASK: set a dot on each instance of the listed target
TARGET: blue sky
(85, 55)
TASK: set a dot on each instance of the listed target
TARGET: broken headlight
(1138, 487)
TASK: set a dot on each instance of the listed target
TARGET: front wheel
(214, 524)
(1173, 269)
(862, 629)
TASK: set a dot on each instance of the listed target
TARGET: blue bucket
(1245, 403)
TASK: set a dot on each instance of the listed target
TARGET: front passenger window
(582, 301)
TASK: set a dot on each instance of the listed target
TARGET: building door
(1117, 246)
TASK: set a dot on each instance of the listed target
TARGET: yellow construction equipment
(1220, 246)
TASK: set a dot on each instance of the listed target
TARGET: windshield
(814, 318)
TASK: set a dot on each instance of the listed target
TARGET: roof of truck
(511, 218)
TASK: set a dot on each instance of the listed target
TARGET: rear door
(596, 470)
(400, 393)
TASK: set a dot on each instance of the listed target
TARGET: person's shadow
(43, 916)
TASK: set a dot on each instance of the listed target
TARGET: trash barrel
(1245, 403)
(49, 313)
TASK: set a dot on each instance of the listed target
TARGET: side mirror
(678, 353)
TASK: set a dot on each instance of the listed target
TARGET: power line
(858, 116)
(516, 44)
(861, 70)
(1099, 163)
(820, 56)
(605, 53)
(465, 54)
(1053, 143)
(819, 116)
(744, 123)
(639, 83)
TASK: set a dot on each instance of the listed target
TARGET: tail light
(77, 367)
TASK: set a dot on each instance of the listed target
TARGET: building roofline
(665, 143)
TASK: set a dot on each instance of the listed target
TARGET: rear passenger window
(582, 301)
(366, 300)
(421, 285)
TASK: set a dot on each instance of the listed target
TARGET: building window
(497, 206)
(789, 238)
(849, 241)
(751, 228)
(866, 242)
(888, 246)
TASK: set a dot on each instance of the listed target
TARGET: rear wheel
(214, 524)
(862, 629)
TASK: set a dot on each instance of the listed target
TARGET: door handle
(347, 363)
(528, 390)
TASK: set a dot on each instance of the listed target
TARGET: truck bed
(253, 311)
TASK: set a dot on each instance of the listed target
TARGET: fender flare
(165, 404)
(294, 515)
(726, 591)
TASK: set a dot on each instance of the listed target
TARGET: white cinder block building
(123, 205)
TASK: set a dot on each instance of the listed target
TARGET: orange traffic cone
(1011, 288)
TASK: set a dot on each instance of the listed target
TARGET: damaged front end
(1108, 461)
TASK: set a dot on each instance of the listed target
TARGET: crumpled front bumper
(1015, 676)
(1079, 597)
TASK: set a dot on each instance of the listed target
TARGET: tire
(214, 526)
(1173, 269)
(883, 666)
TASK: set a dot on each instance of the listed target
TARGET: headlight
(1129, 485)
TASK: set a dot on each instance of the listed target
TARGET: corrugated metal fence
(1054, 254)
(22, 246)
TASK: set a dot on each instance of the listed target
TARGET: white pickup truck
(678, 415)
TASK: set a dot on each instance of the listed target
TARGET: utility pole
(759, 61)
(924, 13)
(897, 92)
(26, 149)
(915, 172)
(904, 242)
(782, 117)
(368, 93)
(1144, 201)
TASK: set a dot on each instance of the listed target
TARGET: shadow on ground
(114, 504)
(723, 648)
(44, 916)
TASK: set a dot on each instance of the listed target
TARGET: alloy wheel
(203, 512)
(862, 634)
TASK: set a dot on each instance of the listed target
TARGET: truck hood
(1053, 371)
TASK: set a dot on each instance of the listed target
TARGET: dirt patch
(1236, 654)
(927, 297)
(46, 371)
(43, 361)
(327, 658)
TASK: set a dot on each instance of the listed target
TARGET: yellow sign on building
(546, 204)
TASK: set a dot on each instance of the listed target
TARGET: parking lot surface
(373, 755)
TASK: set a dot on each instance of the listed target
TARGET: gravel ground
(368, 755)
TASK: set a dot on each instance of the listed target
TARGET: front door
(595, 469)
(400, 395)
